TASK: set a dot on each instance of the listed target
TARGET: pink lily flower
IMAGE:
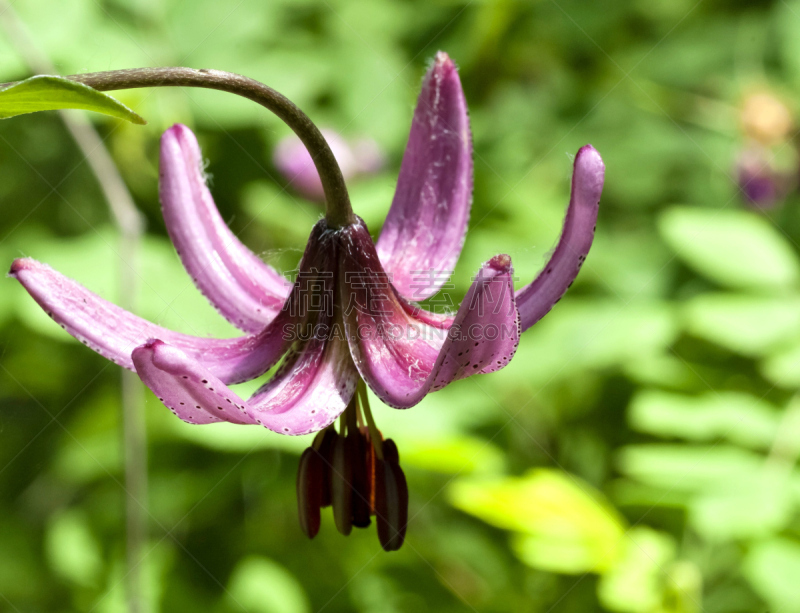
(349, 318)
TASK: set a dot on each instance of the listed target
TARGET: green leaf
(683, 588)
(594, 333)
(155, 567)
(664, 370)
(772, 567)
(50, 93)
(748, 505)
(736, 416)
(729, 492)
(750, 325)
(454, 455)
(783, 368)
(635, 582)
(681, 468)
(736, 249)
(563, 524)
(260, 585)
(72, 550)
(6, 297)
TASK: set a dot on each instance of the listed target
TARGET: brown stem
(338, 211)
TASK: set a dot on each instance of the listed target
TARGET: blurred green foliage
(638, 455)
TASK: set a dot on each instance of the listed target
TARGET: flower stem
(338, 211)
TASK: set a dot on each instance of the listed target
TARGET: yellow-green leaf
(50, 93)
(561, 524)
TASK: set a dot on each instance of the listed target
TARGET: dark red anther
(363, 468)
(390, 453)
(342, 485)
(391, 499)
(325, 449)
(309, 488)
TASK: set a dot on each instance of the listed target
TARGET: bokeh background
(639, 453)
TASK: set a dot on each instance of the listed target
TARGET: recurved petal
(187, 388)
(535, 300)
(309, 391)
(424, 231)
(400, 357)
(114, 333)
(245, 290)
(311, 388)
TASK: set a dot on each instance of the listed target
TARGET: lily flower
(348, 320)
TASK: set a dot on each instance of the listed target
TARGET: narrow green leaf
(753, 326)
(737, 249)
(49, 93)
(736, 416)
(747, 506)
(684, 468)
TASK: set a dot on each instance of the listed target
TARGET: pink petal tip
(21, 264)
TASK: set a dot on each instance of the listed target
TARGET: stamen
(374, 433)
(341, 486)
(309, 491)
(326, 454)
(391, 499)
(361, 448)
(356, 472)
(320, 437)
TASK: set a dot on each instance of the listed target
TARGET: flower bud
(294, 162)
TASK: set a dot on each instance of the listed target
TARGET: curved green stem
(338, 211)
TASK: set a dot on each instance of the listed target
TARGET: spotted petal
(310, 390)
(314, 383)
(402, 358)
(245, 290)
(427, 222)
(113, 332)
(185, 387)
(535, 300)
